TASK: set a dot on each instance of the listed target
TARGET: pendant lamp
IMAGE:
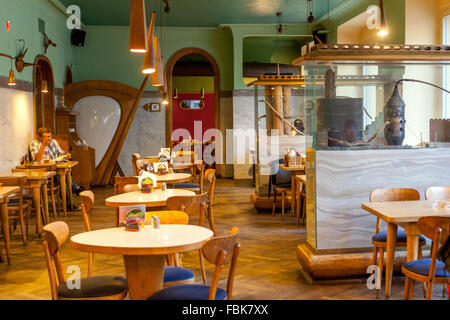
(44, 88)
(383, 25)
(158, 76)
(138, 27)
(12, 77)
(149, 66)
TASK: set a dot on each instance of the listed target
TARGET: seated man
(47, 148)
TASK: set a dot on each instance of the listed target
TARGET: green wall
(193, 84)
(105, 55)
(266, 49)
(23, 15)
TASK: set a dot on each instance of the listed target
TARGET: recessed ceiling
(202, 13)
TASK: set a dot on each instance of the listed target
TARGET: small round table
(157, 198)
(173, 178)
(143, 251)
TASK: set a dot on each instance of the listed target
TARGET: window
(191, 104)
(446, 96)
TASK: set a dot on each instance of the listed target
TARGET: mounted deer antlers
(20, 63)
(48, 42)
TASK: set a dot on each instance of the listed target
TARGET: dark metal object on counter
(394, 113)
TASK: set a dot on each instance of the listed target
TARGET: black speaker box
(77, 37)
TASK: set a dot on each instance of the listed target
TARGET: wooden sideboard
(68, 139)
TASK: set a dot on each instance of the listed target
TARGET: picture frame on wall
(155, 107)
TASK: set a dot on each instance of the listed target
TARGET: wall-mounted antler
(48, 42)
(20, 63)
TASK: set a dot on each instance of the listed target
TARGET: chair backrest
(134, 158)
(121, 182)
(392, 194)
(221, 251)
(192, 205)
(281, 176)
(168, 217)
(87, 204)
(210, 175)
(184, 157)
(438, 230)
(141, 163)
(56, 234)
(437, 193)
(131, 188)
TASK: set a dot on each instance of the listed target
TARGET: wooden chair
(210, 175)
(91, 288)
(174, 273)
(17, 204)
(119, 185)
(87, 204)
(134, 158)
(429, 270)
(220, 251)
(379, 240)
(197, 186)
(437, 193)
(141, 163)
(193, 206)
(281, 182)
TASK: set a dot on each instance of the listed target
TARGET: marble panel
(344, 180)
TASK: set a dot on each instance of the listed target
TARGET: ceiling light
(158, 76)
(138, 27)
(149, 58)
(383, 26)
(165, 100)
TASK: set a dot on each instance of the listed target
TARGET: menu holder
(147, 181)
(161, 168)
(132, 217)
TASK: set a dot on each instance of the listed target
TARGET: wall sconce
(12, 77)
(165, 100)
(202, 93)
(44, 88)
(383, 25)
(175, 93)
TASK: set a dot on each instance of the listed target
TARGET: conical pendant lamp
(150, 58)
(158, 76)
(383, 25)
(138, 27)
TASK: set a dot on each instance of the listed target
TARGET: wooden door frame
(51, 87)
(216, 74)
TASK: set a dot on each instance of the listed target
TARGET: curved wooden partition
(128, 99)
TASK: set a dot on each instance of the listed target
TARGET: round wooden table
(157, 198)
(173, 178)
(143, 251)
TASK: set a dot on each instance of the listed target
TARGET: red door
(184, 118)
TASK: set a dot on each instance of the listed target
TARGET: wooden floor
(268, 268)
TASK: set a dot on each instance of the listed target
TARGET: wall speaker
(77, 37)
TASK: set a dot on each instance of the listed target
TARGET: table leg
(5, 228)
(45, 200)
(37, 207)
(390, 253)
(293, 190)
(62, 179)
(69, 183)
(145, 275)
(412, 247)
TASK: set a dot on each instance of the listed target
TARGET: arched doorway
(212, 70)
(43, 93)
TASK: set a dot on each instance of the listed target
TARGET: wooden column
(287, 108)
(277, 122)
(269, 114)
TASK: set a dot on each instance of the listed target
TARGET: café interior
(225, 150)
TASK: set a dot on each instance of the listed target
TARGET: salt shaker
(163, 186)
(155, 222)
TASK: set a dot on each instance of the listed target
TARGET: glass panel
(97, 120)
(365, 135)
(191, 104)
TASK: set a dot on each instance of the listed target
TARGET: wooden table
(404, 214)
(294, 170)
(63, 169)
(143, 252)
(173, 178)
(36, 180)
(157, 198)
(5, 192)
(300, 181)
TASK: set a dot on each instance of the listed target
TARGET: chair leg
(303, 210)
(429, 290)
(202, 267)
(23, 227)
(380, 269)
(298, 208)
(90, 263)
(282, 203)
(374, 256)
(211, 219)
(407, 285)
(420, 256)
(443, 290)
(27, 218)
(274, 205)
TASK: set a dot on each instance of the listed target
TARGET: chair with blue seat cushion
(379, 240)
(281, 182)
(196, 187)
(92, 288)
(220, 251)
(429, 270)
